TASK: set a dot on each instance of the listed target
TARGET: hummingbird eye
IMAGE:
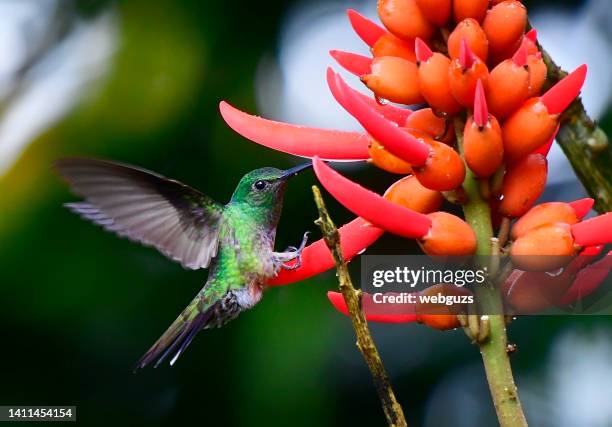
(260, 185)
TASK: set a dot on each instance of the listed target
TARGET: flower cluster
(487, 120)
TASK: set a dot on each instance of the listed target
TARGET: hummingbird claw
(304, 241)
(293, 253)
(295, 266)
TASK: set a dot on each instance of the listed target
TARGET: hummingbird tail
(178, 336)
(203, 312)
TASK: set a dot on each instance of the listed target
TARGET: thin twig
(504, 232)
(365, 343)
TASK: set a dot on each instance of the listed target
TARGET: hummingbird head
(265, 187)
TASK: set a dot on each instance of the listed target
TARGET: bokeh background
(139, 81)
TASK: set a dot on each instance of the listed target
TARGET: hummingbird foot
(294, 266)
(292, 253)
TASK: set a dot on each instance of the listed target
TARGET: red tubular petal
(583, 258)
(395, 140)
(588, 280)
(422, 51)
(355, 237)
(582, 207)
(352, 62)
(481, 111)
(594, 231)
(466, 56)
(532, 35)
(371, 206)
(545, 149)
(297, 140)
(592, 250)
(520, 56)
(367, 30)
(337, 300)
(561, 95)
(391, 112)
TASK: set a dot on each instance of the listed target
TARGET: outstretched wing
(179, 221)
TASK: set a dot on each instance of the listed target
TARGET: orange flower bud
(464, 73)
(475, 9)
(534, 291)
(438, 315)
(409, 192)
(523, 183)
(404, 19)
(528, 128)
(389, 45)
(443, 170)
(508, 85)
(381, 158)
(537, 74)
(475, 37)
(448, 235)
(545, 213)
(436, 11)
(545, 248)
(504, 26)
(433, 79)
(482, 141)
(394, 79)
(426, 121)
(442, 322)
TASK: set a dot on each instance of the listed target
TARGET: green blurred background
(80, 306)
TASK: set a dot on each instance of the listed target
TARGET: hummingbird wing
(143, 206)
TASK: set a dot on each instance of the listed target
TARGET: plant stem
(492, 346)
(352, 297)
(585, 145)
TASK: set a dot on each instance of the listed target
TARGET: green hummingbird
(236, 240)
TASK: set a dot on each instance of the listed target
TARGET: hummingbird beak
(290, 173)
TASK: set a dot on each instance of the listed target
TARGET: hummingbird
(235, 241)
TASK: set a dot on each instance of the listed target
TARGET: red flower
(510, 123)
